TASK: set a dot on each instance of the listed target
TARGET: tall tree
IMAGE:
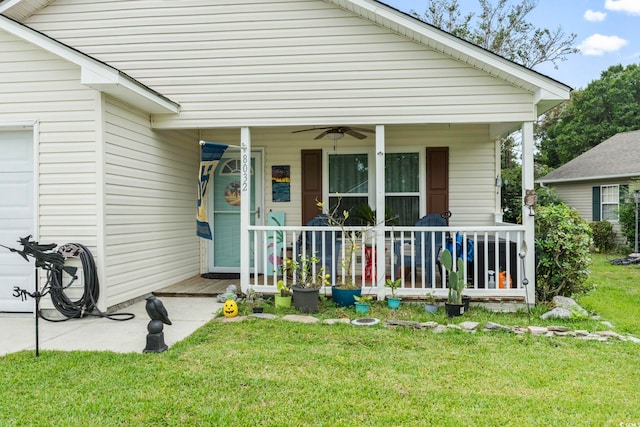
(605, 107)
(502, 28)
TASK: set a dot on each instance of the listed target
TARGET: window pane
(348, 173)
(346, 203)
(406, 208)
(610, 212)
(402, 172)
(610, 194)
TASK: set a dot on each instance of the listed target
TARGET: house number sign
(245, 172)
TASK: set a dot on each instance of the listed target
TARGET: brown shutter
(437, 179)
(311, 183)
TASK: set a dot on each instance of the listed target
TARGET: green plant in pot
(308, 279)
(362, 303)
(430, 303)
(393, 301)
(283, 298)
(456, 283)
(254, 300)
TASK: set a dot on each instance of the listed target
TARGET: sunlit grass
(274, 372)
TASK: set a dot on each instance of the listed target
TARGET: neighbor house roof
(616, 157)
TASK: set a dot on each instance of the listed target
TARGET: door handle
(258, 212)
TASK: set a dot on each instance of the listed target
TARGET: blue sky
(608, 33)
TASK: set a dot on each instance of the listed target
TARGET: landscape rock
(431, 324)
(537, 330)
(609, 334)
(493, 326)
(232, 319)
(268, 316)
(408, 323)
(469, 326)
(439, 329)
(335, 321)
(607, 324)
(300, 319)
(633, 339)
(581, 333)
(558, 312)
(568, 303)
(558, 328)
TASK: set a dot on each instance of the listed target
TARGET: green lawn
(279, 373)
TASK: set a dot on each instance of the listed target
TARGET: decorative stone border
(471, 327)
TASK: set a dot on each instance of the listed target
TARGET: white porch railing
(411, 253)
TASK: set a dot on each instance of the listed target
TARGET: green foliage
(393, 284)
(363, 299)
(502, 28)
(603, 236)
(456, 281)
(607, 106)
(627, 214)
(563, 240)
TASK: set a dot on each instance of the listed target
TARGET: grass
(287, 374)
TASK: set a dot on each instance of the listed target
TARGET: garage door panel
(16, 217)
(16, 192)
(16, 148)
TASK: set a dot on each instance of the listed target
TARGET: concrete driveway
(17, 331)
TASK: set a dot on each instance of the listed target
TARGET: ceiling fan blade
(322, 135)
(353, 133)
(306, 130)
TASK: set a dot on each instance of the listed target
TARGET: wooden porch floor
(197, 286)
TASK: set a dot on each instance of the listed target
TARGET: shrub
(603, 236)
(563, 240)
(627, 214)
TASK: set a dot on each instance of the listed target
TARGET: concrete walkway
(17, 331)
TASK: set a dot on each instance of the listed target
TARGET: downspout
(245, 206)
(528, 218)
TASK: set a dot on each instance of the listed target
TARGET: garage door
(16, 216)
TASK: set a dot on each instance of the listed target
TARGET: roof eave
(548, 92)
(586, 178)
(96, 74)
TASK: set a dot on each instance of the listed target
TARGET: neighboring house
(104, 103)
(596, 182)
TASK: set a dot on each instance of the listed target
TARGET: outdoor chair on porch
(325, 245)
(421, 260)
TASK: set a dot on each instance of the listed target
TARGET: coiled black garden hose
(86, 305)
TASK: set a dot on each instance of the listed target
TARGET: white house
(103, 105)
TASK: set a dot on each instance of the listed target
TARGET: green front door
(226, 211)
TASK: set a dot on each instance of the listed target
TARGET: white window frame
(371, 177)
(422, 170)
(608, 202)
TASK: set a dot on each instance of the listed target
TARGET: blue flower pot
(362, 308)
(394, 303)
(344, 297)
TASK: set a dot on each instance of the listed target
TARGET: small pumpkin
(230, 308)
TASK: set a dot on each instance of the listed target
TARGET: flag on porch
(210, 154)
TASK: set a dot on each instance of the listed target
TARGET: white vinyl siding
(578, 196)
(150, 203)
(39, 87)
(271, 63)
(471, 162)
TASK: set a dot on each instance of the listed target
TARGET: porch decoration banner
(210, 155)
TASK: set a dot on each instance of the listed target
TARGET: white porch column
(245, 207)
(498, 214)
(527, 218)
(380, 211)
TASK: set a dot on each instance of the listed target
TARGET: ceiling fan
(337, 132)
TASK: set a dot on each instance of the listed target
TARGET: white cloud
(631, 7)
(593, 16)
(598, 45)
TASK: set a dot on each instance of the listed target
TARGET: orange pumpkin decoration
(230, 308)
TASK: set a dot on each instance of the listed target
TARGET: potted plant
(254, 300)
(430, 304)
(393, 301)
(307, 282)
(362, 303)
(456, 284)
(283, 298)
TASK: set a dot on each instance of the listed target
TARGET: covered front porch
(499, 256)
